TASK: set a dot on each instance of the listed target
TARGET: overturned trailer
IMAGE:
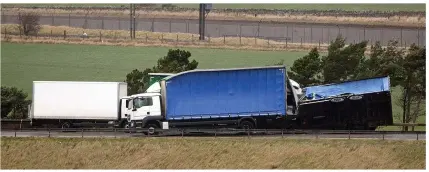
(360, 105)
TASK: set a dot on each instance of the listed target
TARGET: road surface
(292, 32)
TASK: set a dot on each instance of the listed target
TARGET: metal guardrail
(115, 132)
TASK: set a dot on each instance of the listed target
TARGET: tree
(407, 71)
(13, 103)
(413, 83)
(176, 61)
(29, 23)
(306, 70)
(342, 63)
(136, 81)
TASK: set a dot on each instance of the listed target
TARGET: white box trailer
(69, 103)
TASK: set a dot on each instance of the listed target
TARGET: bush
(13, 103)
(29, 23)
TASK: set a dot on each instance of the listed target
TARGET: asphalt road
(125, 135)
(292, 32)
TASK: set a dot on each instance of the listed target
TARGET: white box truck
(68, 104)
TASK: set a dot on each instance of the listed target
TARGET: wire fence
(295, 33)
(174, 38)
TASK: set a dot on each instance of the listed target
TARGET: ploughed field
(210, 153)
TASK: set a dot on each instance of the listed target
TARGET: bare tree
(29, 23)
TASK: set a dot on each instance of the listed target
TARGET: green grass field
(23, 63)
(348, 7)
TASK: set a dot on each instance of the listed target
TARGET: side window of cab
(142, 101)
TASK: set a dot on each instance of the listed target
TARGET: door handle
(148, 113)
(134, 110)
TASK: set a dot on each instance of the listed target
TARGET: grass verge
(209, 153)
(403, 21)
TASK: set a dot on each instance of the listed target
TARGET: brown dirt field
(209, 153)
(404, 21)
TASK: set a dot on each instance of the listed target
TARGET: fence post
(215, 132)
(301, 41)
(153, 24)
(177, 38)
(162, 38)
(5, 33)
(114, 133)
(64, 34)
(364, 33)
(49, 132)
(82, 132)
(286, 42)
(282, 132)
(224, 39)
(240, 40)
(50, 37)
(119, 24)
(418, 37)
(401, 36)
(100, 36)
(319, 44)
(383, 135)
(20, 33)
(182, 132)
(349, 134)
(417, 136)
(20, 126)
(255, 41)
(268, 42)
(170, 26)
(102, 23)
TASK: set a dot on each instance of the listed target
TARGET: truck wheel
(65, 125)
(151, 129)
(247, 125)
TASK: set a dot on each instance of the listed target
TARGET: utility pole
(131, 21)
(202, 21)
(134, 21)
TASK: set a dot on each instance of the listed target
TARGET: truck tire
(65, 125)
(151, 127)
(247, 125)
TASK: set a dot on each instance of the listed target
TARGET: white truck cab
(142, 107)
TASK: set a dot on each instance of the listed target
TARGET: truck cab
(144, 107)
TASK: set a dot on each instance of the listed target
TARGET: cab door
(141, 108)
